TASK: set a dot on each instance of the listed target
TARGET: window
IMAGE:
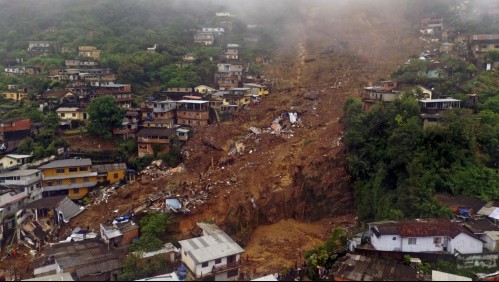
(49, 183)
(412, 241)
(83, 168)
(76, 191)
(232, 273)
(204, 264)
(73, 169)
(115, 175)
(218, 261)
(74, 115)
(59, 182)
(484, 46)
(59, 170)
(85, 179)
(73, 180)
(437, 240)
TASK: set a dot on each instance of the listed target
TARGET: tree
(152, 227)
(104, 114)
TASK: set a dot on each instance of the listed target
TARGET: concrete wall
(490, 260)
(490, 244)
(465, 244)
(423, 244)
(386, 243)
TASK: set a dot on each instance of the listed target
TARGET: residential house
(80, 63)
(174, 94)
(122, 234)
(257, 89)
(193, 112)
(72, 177)
(13, 71)
(16, 96)
(182, 133)
(203, 89)
(435, 24)
(189, 57)
(14, 160)
(73, 113)
(204, 38)
(12, 132)
(431, 109)
(481, 44)
(157, 113)
(42, 48)
(110, 173)
(237, 97)
(217, 31)
(443, 276)
(223, 14)
(89, 52)
(41, 218)
(229, 54)
(385, 91)
(361, 268)
(428, 235)
(153, 139)
(122, 93)
(213, 255)
(491, 239)
(130, 124)
(491, 211)
(88, 260)
(459, 204)
(228, 75)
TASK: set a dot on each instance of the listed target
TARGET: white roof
(495, 214)
(168, 247)
(269, 277)
(19, 172)
(494, 235)
(193, 101)
(54, 277)
(163, 277)
(64, 109)
(210, 247)
(440, 100)
(15, 156)
(442, 276)
(183, 130)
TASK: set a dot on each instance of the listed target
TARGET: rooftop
(360, 268)
(15, 156)
(68, 109)
(192, 102)
(65, 206)
(67, 163)
(460, 201)
(439, 100)
(480, 226)
(210, 247)
(161, 132)
(19, 172)
(109, 167)
(419, 228)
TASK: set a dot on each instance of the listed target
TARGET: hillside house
(16, 96)
(361, 268)
(385, 91)
(213, 255)
(228, 75)
(14, 71)
(14, 160)
(110, 173)
(68, 114)
(42, 48)
(217, 31)
(122, 234)
(90, 52)
(130, 124)
(203, 89)
(155, 110)
(428, 235)
(193, 112)
(257, 89)
(154, 139)
(189, 57)
(12, 132)
(19, 188)
(237, 97)
(229, 54)
(204, 38)
(481, 44)
(122, 93)
(80, 63)
(88, 260)
(431, 108)
(71, 177)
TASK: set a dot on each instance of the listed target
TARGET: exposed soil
(88, 143)
(298, 179)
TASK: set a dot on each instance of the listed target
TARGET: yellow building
(257, 89)
(89, 52)
(67, 114)
(237, 97)
(14, 96)
(72, 177)
(110, 173)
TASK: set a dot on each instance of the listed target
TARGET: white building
(12, 160)
(18, 188)
(214, 254)
(491, 239)
(429, 235)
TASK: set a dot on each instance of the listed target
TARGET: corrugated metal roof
(69, 209)
(109, 167)
(99, 267)
(210, 247)
(54, 277)
(19, 172)
(67, 163)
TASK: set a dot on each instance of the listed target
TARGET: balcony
(162, 140)
(225, 268)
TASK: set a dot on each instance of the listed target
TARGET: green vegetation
(397, 166)
(104, 114)
(135, 267)
(152, 228)
(326, 254)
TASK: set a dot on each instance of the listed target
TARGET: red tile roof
(421, 228)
